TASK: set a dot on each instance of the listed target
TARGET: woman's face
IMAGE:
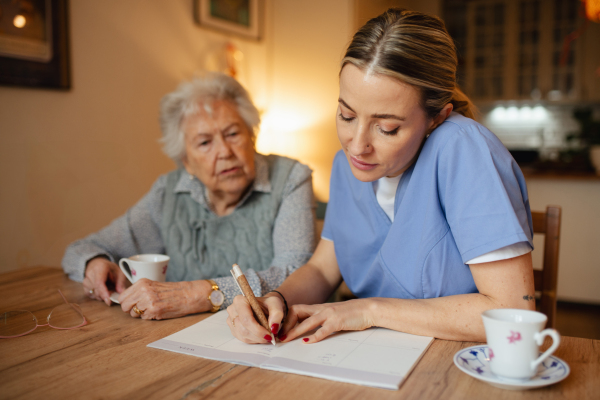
(219, 149)
(380, 123)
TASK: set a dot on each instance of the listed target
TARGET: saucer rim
(524, 384)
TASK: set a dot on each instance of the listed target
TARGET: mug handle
(539, 339)
(124, 261)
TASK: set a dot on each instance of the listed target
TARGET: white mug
(149, 266)
(514, 338)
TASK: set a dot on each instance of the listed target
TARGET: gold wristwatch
(215, 297)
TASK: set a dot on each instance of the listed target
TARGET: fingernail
(274, 328)
(282, 337)
(268, 338)
(305, 340)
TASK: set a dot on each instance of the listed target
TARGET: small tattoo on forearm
(528, 297)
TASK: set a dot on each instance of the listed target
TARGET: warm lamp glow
(294, 131)
(281, 132)
(238, 55)
(19, 21)
(592, 10)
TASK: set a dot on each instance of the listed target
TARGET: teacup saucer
(114, 296)
(475, 362)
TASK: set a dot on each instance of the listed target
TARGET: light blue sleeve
(483, 193)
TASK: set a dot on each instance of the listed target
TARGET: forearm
(76, 257)
(314, 282)
(501, 284)
(307, 285)
(135, 232)
(194, 296)
(452, 318)
(113, 242)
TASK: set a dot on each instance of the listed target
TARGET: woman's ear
(445, 113)
(441, 117)
(185, 164)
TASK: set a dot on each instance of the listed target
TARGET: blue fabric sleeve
(482, 192)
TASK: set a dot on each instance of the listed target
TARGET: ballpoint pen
(242, 282)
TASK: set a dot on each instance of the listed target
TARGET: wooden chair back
(546, 280)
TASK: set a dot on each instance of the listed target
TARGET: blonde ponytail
(414, 48)
(462, 104)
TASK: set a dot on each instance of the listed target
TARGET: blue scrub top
(465, 196)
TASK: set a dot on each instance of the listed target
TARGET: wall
(304, 51)
(72, 161)
(579, 253)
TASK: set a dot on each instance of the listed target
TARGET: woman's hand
(352, 315)
(163, 300)
(245, 327)
(100, 272)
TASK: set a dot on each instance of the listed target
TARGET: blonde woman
(428, 220)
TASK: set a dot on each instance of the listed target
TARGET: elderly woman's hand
(243, 325)
(99, 272)
(163, 300)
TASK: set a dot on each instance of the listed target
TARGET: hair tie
(284, 302)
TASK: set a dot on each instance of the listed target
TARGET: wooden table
(108, 358)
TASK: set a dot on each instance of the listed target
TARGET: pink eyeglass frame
(47, 319)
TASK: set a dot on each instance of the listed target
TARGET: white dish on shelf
(474, 361)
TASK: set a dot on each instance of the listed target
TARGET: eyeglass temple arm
(71, 305)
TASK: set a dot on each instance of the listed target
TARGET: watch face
(217, 298)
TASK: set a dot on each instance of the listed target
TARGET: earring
(191, 177)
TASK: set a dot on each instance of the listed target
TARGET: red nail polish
(282, 337)
(305, 339)
(274, 328)
(267, 338)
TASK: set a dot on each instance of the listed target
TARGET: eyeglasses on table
(21, 322)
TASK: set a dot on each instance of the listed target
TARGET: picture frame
(34, 44)
(243, 18)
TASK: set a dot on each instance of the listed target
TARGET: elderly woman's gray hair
(201, 92)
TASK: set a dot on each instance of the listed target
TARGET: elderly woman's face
(380, 123)
(219, 149)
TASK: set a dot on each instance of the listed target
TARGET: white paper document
(374, 357)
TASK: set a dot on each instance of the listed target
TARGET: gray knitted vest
(203, 245)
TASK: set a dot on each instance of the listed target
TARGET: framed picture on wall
(239, 17)
(34, 43)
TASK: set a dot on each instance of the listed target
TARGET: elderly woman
(428, 221)
(225, 204)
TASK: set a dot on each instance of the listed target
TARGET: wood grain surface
(108, 359)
